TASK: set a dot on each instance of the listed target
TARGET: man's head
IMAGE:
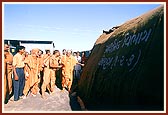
(34, 51)
(6, 48)
(21, 49)
(74, 53)
(56, 52)
(78, 53)
(40, 52)
(26, 54)
(68, 53)
(64, 51)
(83, 54)
(47, 51)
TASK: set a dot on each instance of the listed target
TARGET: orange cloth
(67, 70)
(40, 64)
(53, 64)
(32, 69)
(34, 65)
(46, 79)
(47, 73)
(5, 80)
(27, 76)
(9, 60)
(46, 59)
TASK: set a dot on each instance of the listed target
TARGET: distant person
(83, 58)
(18, 69)
(110, 30)
(77, 67)
(74, 54)
(64, 52)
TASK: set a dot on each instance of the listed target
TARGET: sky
(74, 26)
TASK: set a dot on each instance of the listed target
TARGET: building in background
(30, 44)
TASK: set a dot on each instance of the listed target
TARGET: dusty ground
(60, 101)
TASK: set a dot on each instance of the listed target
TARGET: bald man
(31, 73)
(68, 63)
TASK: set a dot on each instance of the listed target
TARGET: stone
(125, 70)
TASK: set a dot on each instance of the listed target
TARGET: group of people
(26, 73)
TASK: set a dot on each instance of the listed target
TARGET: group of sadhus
(28, 69)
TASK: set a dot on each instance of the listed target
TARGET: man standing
(77, 68)
(54, 66)
(9, 68)
(47, 73)
(18, 69)
(68, 63)
(32, 65)
(6, 89)
(40, 69)
(83, 58)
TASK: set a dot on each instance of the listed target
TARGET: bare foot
(51, 93)
(43, 97)
(63, 89)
